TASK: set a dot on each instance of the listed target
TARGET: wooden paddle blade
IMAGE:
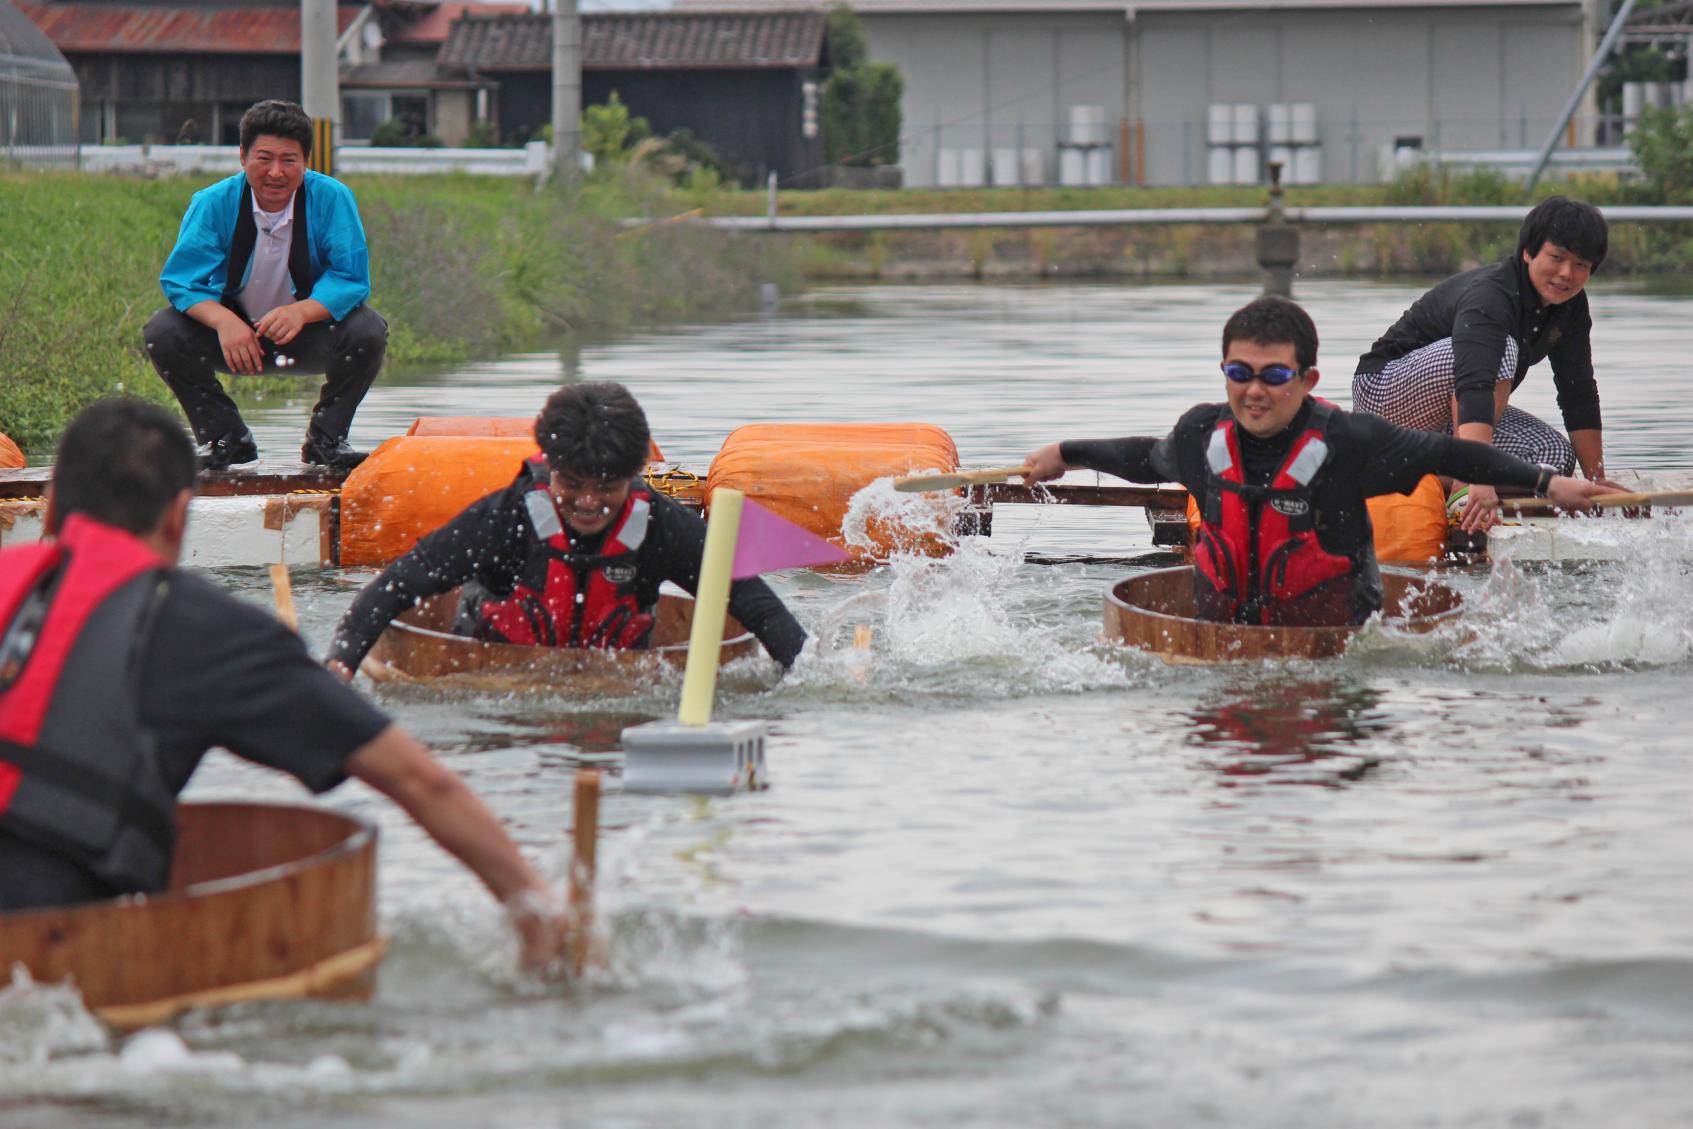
(1603, 501)
(584, 864)
(919, 483)
(284, 592)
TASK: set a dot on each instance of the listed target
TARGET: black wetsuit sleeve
(1129, 458)
(1572, 369)
(220, 671)
(1392, 460)
(672, 551)
(487, 541)
(1484, 319)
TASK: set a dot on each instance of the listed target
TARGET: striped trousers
(1415, 391)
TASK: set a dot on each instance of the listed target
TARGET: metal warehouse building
(1183, 92)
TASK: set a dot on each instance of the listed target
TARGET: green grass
(462, 267)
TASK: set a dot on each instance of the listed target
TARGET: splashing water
(1630, 612)
(881, 522)
(40, 1021)
(951, 619)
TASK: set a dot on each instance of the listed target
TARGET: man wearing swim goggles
(1280, 479)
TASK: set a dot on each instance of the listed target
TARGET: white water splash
(1627, 612)
(41, 1021)
(881, 523)
(971, 619)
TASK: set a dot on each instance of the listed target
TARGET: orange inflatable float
(808, 472)
(415, 483)
(504, 427)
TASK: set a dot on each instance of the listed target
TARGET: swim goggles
(1274, 375)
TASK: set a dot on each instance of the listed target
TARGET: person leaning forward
(571, 554)
(270, 272)
(1453, 359)
(118, 672)
(1280, 478)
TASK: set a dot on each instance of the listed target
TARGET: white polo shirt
(268, 286)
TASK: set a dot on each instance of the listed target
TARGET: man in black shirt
(571, 554)
(1280, 479)
(1456, 355)
(118, 672)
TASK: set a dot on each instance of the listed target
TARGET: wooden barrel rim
(1158, 625)
(405, 628)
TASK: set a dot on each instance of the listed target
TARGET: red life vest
(1256, 557)
(78, 775)
(567, 599)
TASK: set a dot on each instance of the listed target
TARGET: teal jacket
(199, 263)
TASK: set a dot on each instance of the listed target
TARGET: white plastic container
(1303, 119)
(1247, 168)
(1219, 124)
(1219, 168)
(1087, 124)
(1278, 123)
(1309, 164)
(1072, 168)
(1246, 123)
(1099, 167)
(946, 169)
(1005, 170)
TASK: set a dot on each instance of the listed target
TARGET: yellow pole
(711, 607)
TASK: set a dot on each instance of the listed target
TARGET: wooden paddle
(918, 483)
(584, 863)
(284, 592)
(1603, 501)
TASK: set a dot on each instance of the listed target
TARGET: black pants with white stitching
(348, 353)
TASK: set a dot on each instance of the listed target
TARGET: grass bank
(462, 267)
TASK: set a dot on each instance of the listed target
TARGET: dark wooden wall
(750, 117)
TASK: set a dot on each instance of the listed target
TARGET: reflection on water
(1291, 730)
(1007, 874)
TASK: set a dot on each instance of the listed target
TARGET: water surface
(1006, 875)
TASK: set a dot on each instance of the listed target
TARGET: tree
(860, 104)
(1663, 147)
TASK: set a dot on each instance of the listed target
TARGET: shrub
(860, 102)
(1663, 147)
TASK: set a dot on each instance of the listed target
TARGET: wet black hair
(276, 118)
(1574, 225)
(595, 429)
(1274, 321)
(121, 462)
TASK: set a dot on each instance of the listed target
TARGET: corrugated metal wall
(991, 98)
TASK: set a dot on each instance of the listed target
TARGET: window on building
(361, 113)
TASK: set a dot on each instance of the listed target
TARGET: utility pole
(320, 80)
(567, 92)
(1612, 34)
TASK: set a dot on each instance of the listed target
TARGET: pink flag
(768, 542)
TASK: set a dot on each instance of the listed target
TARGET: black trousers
(348, 353)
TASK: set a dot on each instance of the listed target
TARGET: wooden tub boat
(421, 645)
(265, 902)
(1154, 611)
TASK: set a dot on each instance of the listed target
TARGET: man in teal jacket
(269, 272)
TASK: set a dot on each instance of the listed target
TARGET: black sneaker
(336, 456)
(228, 450)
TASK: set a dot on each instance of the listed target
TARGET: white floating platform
(251, 529)
(1611, 537)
